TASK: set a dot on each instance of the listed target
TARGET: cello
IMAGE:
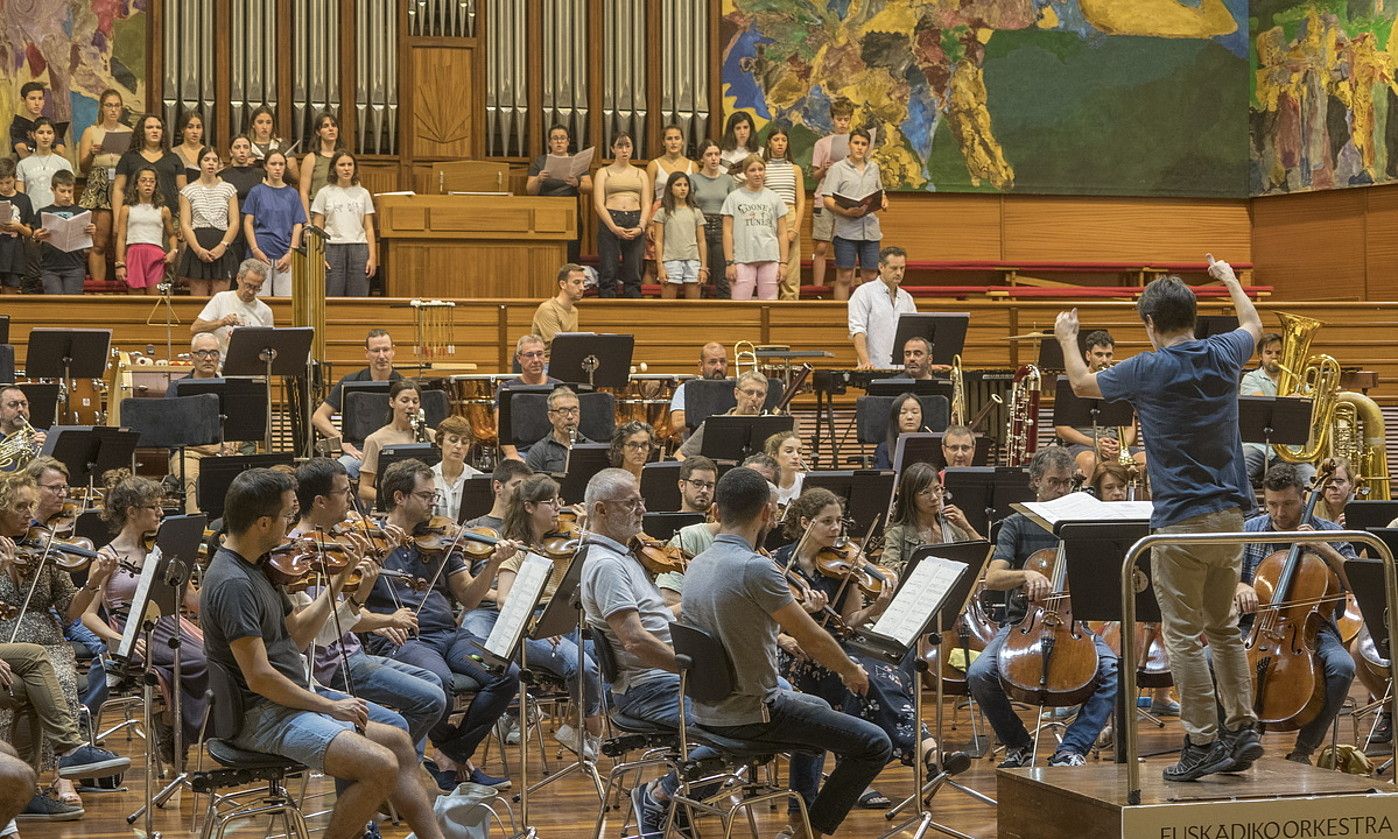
(1049, 659)
(973, 630)
(1295, 591)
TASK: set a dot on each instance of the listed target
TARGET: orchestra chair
(705, 397)
(365, 412)
(529, 421)
(706, 674)
(872, 416)
(238, 768)
(659, 744)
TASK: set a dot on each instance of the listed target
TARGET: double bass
(1296, 591)
(1049, 659)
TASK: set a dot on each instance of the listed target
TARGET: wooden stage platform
(1275, 799)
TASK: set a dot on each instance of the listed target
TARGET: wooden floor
(569, 807)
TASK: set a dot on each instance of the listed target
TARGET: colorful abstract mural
(1108, 97)
(1324, 105)
(76, 49)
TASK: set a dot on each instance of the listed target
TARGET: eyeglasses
(206, 353)
(531, 355)
(1058, 482)
(16, 404)
(567, 412)
(430, 497)
(56, 489)
(700, 484)
(637, 445)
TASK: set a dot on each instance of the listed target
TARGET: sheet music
(68, 234)
(569, 166)
(519, 605)
(115, 142)
(1080, 506)
(920, 596)
(139, 608)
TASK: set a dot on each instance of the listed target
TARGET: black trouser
(620, 258)
(718, 267)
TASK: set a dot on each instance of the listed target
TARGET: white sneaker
(507, 729)
(569, 737)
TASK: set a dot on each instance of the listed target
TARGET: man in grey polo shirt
(742, 599)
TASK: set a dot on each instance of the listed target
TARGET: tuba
(1314, 377)
(1357, 434)
(19, 448)
(958, 393)
(1021, 432)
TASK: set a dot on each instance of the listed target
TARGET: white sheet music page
(519, 605)
(1080, 506)
(138, 603)
(919, 597)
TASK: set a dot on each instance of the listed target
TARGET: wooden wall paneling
(655, 115)
(282, 126)
(536, 133)
(594, 88)
(1313, 245)
(1381, 242)
(407, 81)
(445, 123)
(940, 226)
(155, 60)
(1074, 228)
(223, 82)
(349, 117)
(716, 115)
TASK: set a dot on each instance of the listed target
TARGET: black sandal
(872, 799)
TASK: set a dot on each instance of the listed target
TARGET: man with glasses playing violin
(338, 656)
(550, 455)
(251, 631)
(438, 644)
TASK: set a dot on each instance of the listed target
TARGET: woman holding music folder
(544, 182)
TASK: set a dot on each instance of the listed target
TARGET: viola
(845, 560)
(1296, 592)
(657, 557)
(1049, 659)
(440, 534)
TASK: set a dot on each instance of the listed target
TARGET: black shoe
(953, 763)
(1244, 746)
(91, 762)
(1017, 756)
(1198, 761)
(1298, 757)
(1383, 732)
(43, 808)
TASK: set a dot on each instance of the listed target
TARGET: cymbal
(1031, 335)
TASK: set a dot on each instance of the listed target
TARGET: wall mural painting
(1324, 105)
(1106, 97)
(76, 49)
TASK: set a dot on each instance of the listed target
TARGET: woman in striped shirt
(785, 179)
(209, 224)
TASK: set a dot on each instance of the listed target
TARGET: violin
(73, 555)
(845, 561)
(832, 620)
(1297, 592)
(1049, 659)
(63, 521)
(304, 562)
(657, 557)
(440, 534)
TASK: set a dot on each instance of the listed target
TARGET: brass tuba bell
(1315, 377)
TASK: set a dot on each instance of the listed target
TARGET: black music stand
(1206, 325)
(591, 358)
(67, 354)
(1275, 419)
(90, 450)
(665, 525)
(1369, 515)
(985, 493)
(43, 402)
(583, 461)
(917, 387)
(1094, 551)
(4, 334)
(704, 398)
(660, 485)
(379, 389)
(7, 363)
(269, 351)
(1082, 412)
(429, 454)
(733, 438)
(946, 331)
(1366, 575)
(477, 497)
(216, 473)
(241, 412)
(864, 492)
(926, 447)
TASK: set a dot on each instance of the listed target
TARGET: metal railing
(1128, 609)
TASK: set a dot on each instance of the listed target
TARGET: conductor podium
(474, 245)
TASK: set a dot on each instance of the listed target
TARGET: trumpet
(19, 448)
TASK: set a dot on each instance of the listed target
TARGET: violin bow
(441, 566)
(33, 584)
(318, 538)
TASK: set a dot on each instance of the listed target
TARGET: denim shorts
(865, 251)
(302, 736)
(682, 270)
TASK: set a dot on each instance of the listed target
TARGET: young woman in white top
(346, 211)
(33, 174)
(450, 474)
(209, 224)
(785, 448)
(784, 178)
(264, 141)
(101, 169)
(737, 143)
(659, 171)
(146, 242)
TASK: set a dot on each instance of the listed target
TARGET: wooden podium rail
(447, 246)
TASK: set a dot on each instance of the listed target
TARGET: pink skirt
(145, 265)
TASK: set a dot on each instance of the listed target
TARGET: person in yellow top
(560, 312)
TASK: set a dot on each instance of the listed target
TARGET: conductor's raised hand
(1065, 327)
(1220, 270)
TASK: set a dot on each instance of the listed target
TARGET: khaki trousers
(1195, 585)
(37, 694)
(789, 282)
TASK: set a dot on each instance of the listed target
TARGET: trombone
(744, 356)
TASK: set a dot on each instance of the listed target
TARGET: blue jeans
(807, 723)
(654, 701)
(414, 691)
(983, 677)
(560, 661)
(351, 465)
(863, 251)
(447, 651)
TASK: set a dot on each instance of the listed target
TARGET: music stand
(1206, 325)
(665, 525)
(90, 450)
(477, 497)
(594, 359)
(926, 447)
(936, 585)
(429, 454)
(1366, 575)
(7, 363)
(864, 492)
(1081, 412)
(4, 332)
(1275, 419)
(660, 485)
(733, 438)
(1093, 551)
(216, 473)
(946, 331)
(985, 493)
(583, 461)
(269, 351)
(43, 402)
(67, 354)
(241, 413)
(917, 387)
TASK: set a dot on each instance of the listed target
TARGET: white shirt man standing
(874, 308)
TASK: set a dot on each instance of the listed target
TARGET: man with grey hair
(532, 356)
(750, 394)
(239, 306)
(550, 454)
(1051, 476)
